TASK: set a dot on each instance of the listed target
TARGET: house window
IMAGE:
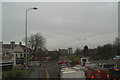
(24, 55)
(16, 55)
(20, 55)
(17, 58)
(7, 53)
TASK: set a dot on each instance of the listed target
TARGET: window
(20, 55)
(24, 55)
(17, 58)
(16, 55)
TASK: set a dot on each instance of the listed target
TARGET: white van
(116, 58)
(83, 61)
(72, 74)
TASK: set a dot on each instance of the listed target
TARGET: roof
(8, 47)
(18, 49)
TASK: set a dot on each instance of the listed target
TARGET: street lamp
(34, 8)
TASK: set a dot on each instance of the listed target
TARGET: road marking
(47, 75)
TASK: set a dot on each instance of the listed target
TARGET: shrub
(19, 74)
(10, 75)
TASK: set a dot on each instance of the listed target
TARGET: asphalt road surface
(47, 71)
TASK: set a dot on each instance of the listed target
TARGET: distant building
(19, 55)
(6, 64)
(70, 51)
(14, 51)
(63, 52)
(7, 50)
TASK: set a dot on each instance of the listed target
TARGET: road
(47, 71)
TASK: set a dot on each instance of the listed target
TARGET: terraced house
(15, 52)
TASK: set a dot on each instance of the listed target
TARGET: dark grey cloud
(63, 23)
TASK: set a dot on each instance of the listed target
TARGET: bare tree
(35, 42)
(117, 44)
(85, 51)
(117, 41)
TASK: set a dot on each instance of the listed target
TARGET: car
(97, 73)
(77, 67)
(114, 74)
(62, 67)
(87, 63)
(70, 73)
(63, 62)
(116, 58)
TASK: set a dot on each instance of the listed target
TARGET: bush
(10, 75)
(17, 73)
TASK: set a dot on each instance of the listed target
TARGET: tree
(55, 55)
(117, 41)
(35, 42)
(105, 52)
(74, 59)
(117, 44)
(85, 50)
(78, 52)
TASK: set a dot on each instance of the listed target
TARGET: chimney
(20, 43)
(12, 44)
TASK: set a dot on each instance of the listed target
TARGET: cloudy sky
(63, 24)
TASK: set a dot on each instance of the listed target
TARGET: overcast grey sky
(65, 24)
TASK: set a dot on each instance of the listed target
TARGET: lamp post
(34, 8)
